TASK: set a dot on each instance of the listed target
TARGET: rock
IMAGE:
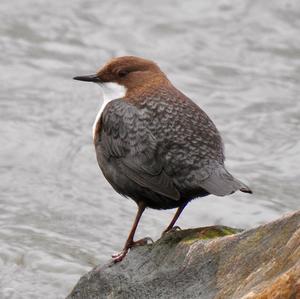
(212, 262)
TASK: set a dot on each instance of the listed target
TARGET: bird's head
(128, 72)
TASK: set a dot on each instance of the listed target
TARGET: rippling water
(239, 60)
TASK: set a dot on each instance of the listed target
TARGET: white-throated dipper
(153, 143)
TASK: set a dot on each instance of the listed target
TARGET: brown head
(134, 73)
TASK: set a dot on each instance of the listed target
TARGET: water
(239, 60)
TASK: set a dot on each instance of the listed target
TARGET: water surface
(239, 60)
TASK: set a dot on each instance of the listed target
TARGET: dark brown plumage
(155, 145)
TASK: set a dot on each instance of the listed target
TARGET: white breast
(110, 91)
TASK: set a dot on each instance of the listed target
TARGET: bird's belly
(125, 186)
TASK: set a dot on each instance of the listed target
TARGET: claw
(173, 229)
(117, 254)
(118, 257)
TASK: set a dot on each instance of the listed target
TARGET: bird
(154, 144)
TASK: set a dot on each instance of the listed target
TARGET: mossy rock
(216, 262)
(192, 235)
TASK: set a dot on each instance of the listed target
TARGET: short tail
(222, 183)
(246, 189)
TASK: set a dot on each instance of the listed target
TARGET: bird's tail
(246, 189)
(221, 183)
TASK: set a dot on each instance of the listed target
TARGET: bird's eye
(122, 73)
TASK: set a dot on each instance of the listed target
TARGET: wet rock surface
(212, 262)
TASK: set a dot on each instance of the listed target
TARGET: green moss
(190, 241)
(207, 233)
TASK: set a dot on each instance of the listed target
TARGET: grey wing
(192, 144)
(126, 139)
(193, 154)
(201, 154)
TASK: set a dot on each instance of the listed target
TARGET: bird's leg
(177, 214)
(130, 243)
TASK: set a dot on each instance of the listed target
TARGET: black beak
(89, 78)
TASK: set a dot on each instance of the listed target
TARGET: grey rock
(208, 263)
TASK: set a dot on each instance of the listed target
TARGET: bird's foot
(170, 230)
(118, 257)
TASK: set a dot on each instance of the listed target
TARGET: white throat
(110, 91)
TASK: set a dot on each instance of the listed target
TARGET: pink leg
(176, 216)
(130, 243)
